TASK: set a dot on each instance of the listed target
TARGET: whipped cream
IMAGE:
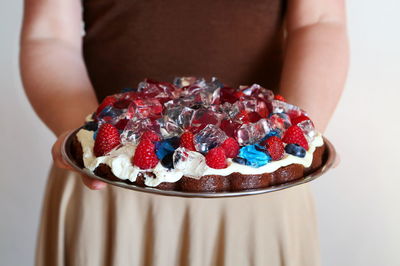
(119, 160)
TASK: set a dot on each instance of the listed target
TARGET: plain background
(358, 203)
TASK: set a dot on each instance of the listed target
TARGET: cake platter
(329, 159)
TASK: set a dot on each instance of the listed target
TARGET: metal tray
(329, 158)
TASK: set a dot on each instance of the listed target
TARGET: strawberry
(107, 139)
(275, 147)
(109, 100)
(151, 135)
(279, 98)
(216, 158)
(145, 156)
(295, 135)
(299, 119)
(231, 147)
(187, 141)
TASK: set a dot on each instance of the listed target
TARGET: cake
(198, 136)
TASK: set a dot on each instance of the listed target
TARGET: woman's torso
(240, 42)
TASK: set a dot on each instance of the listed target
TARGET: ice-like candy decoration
(254, 155)
(308, 129)
(146, 108)
(205, 116)
(229, 127)
(253, 132)
(258, 91)
(209, 137)
(185, 117)
(151, 88)
(168, 127)
(135, 128)
(280, 121)
(291, 110)
(192, 164)
(109, 115)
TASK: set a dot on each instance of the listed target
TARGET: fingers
(56, 153)
(93, 183)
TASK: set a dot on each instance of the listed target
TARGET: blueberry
(91, 126)
(295, 150)
(167, 161)
(163, 148)
(240, 160)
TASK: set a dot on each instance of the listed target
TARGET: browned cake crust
(214, 183)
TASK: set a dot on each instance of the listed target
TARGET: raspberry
(145, 156)
(231, 147)
(279, 98)
(299, 119)
(187, 141)
(294, 135)
(275, 148)
(151, 135)
(107, 138)
(216, 158)
(109, 100)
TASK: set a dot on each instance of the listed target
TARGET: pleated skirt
(117, 226)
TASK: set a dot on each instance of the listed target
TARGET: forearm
(315, 69)
(56, 82)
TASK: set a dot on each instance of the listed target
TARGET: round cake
(198, 136)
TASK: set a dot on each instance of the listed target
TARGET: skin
(57, 84)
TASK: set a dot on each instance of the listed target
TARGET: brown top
(240, 42)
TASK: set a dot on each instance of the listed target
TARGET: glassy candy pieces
(209, 137)
(308, 129)
(192, 164)
(134, 130)
(147, 107)
(283, 107)
(280, 121)
(253, 132)
(204, 116)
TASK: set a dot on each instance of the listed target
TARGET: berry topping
(295, 150)
(108, 101)
(163, 148)
(216, 158)
(279, 98)
(167, 161)
(299, 119)
(107, 139)
(151, 135)
(253, 117)
(122, 104)
(187, 141)
(294, 135)
(231, 147)
(145, 157)
(275, 148)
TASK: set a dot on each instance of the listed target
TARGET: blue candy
(254, 155)
(164, 148)
(295, 150)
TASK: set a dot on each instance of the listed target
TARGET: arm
(316, 57)
(53, 72)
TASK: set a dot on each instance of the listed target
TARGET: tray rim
(329, 163)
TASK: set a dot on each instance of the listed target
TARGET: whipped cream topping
(119, 160)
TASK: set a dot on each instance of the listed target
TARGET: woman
(240, 42)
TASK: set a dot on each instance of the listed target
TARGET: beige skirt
(117, 226)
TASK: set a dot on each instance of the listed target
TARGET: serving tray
(328, 161)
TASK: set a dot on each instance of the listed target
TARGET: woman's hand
(61, 163)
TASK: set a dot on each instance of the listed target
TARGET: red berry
(145, 156)
(299, 119)
(295, 135)
(279, 98)
(107, 139)
(231, 147)
(187, 141)
(275, 148)
(216, 158)
(109, 100)
(151, 135)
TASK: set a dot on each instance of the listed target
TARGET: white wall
(357, 202)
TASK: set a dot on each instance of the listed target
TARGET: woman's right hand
(61, 163)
